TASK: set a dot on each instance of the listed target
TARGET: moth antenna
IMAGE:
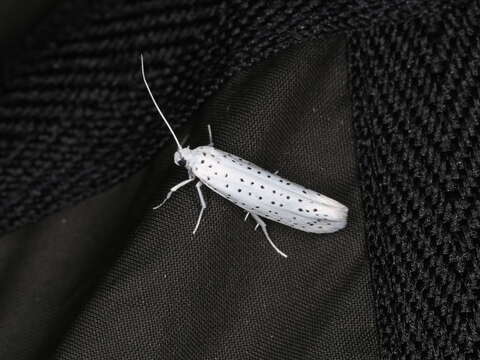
(156, 105)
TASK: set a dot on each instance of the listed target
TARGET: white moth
(257, 191)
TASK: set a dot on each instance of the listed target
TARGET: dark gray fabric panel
(48, 269)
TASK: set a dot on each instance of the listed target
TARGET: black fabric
(75, 118)
(74, 121)
(48, 269)
(416, 101)
(26, 15)
(223, 293)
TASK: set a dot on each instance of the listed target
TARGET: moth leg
(202, 202)
(246, 217)
(210, 134)
(172, 190)
(184, 140)
(262, 224)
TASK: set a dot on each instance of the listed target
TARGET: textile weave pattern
(416, 114)
(74, 118)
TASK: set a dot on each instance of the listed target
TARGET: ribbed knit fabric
(74, 116)
(416, 113)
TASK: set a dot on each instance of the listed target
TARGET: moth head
(182, 157)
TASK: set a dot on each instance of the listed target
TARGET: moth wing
(268, 195)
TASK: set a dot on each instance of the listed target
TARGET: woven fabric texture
(416, 114)
(74, 118)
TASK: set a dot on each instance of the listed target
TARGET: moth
(259, 192)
